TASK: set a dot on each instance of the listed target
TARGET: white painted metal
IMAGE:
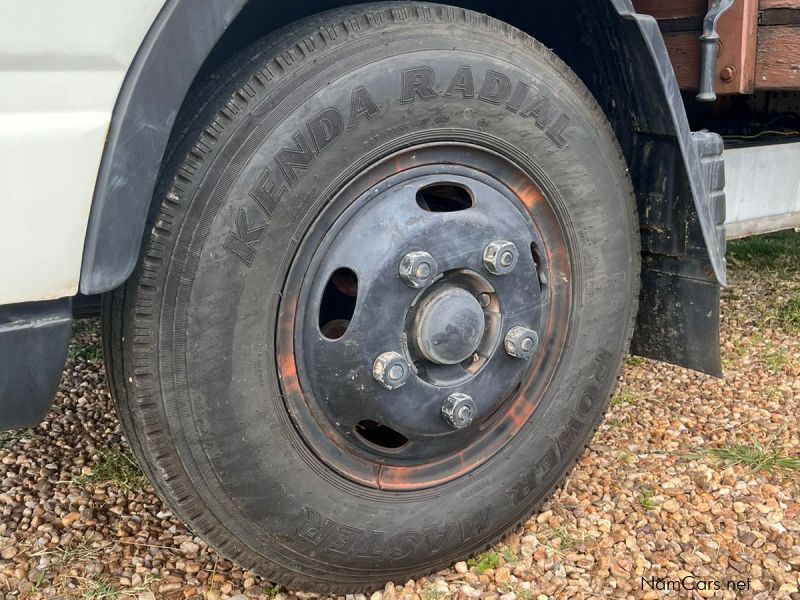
(62, 63)
(762, 185)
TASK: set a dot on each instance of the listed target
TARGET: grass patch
(115, 467)
(77, 549)
(614, 422)
(767, 253)
(624, 397)
(789, 315)
(91, 352)
(509, 555)
(484, 562)
(431, 593)
(635, 361)
(754, 456)
(626, 457)
(9, 438)
(99, 589)
(776, 361)
(645, 498)
(564, 538)
(521, 592)
(770, 392)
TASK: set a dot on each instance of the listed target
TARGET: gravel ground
(657, 495)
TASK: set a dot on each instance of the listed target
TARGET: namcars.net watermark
(690, 582)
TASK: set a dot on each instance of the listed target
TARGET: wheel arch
(619, 54)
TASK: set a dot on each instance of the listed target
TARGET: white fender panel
(62, 63)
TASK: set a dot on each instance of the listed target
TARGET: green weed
(624, 397)
(789, 315)
(776, 360)
(635, 361)
(91, 352)
(484, 562)
(561, 534)
(115, 467)
(753, 455)
(9, 438)
(645, 498)
(98, 589)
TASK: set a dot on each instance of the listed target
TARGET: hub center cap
(449, 325)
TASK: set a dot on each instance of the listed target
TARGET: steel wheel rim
(337, 444)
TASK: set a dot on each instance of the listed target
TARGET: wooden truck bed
(760, 43)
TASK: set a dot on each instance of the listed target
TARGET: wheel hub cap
(449, 326)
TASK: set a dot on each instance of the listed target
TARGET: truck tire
(391, 274)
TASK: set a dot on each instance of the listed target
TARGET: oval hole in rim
(380, 435)
(338, 303)
(444, 197)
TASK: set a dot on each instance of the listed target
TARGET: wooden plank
(778, 61)
(684, 52)
(681, 9)
(777, 58)
(778, 16)
(671, 9)
(770, 4)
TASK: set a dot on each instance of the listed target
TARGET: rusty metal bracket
(708, 50)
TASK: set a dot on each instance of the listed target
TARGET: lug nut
(391, 370)
(417, 269)
(521, 342)
(500, 257)
(458, 410)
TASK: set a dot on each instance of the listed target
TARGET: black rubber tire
(189, 338)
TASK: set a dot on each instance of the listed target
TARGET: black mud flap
(678, 322)
(34, 339)
(679, 312)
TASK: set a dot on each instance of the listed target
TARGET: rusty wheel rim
(331, 437)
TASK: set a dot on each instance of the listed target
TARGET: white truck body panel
(62, 63)
(762, 185)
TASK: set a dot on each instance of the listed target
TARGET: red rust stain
(519, 414)
(395, 479)
(529, 195)
(288, 370)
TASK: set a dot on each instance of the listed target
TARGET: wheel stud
(458, 410)
(500, 257)
(521, 342)
(417, 269)
(391, 370)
